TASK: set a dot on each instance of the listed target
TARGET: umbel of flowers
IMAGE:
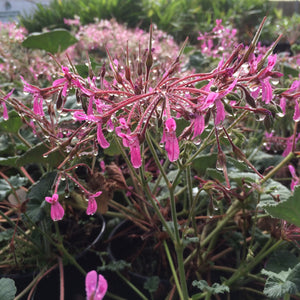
(138, 104)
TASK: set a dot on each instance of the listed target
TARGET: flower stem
(132, 286)
(173, 270)
(278, 167)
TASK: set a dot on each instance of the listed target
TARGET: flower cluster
(134, 97)
(219, 41)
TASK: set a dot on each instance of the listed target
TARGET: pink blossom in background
(57, 211)
(95, 286)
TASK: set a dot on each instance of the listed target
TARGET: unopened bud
(118, 78)
(127, 73)
(249, 99)
(102, 71)
(149, 60)
(233, 97)
(213, 88)
(140, 68)
(59, 101)
(279, 91)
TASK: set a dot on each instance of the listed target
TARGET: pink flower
(57, 211)
(220, 115)
(92, 204)
(80, 116)
(37, 97)
(170, 140)
(295, 178)
(5, 112)
(296, 116)
(100, 137)
(67, 81)
(131, 141)
(199, 125)
(95, 286)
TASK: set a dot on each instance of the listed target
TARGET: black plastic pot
(125, 243)
(74, 280)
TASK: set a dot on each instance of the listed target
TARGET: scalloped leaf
(288, 210)
(55, 41)
(13, 124)
(8, 289)
(35, 155)
(282, 283)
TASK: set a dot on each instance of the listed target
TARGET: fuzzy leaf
(57, 40)
(6, 235)
(288, 210)
(282, 283)
(8, 289)
(152, 284)
(216, 288)
(15, 181)
(8, 161)
(114, 266)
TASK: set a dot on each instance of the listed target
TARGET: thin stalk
(29, 286)
(190, 198)
(176, 239)
(132, 286)
(178, 245)
(235, 206)
(277, 168)
(245, 268)
(23, 140)
(62, 281)
(173, 270)
(161, 169)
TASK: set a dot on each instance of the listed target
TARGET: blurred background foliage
(177, 17)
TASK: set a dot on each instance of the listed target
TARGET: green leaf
(114, 266)
(57, 40)
(12, 125)
(201, 163)
(113, 149)
(216, 288)
(42, 187)
(8, 161)
(282, 283)
(16, 181)
(288, 210)
(152, 284)
(37, 194)
(8, 289)
(6, 235)
(35, 155)
(215, 174)
(276, 264)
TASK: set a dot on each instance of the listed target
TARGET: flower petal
(57, 211)
(90, 284)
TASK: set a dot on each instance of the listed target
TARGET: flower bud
(149, 60)
(127, 73)
(140, 68)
